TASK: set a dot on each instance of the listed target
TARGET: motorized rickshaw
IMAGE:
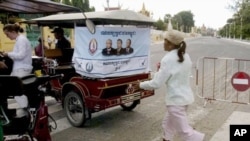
(101, 80)
(34, 125)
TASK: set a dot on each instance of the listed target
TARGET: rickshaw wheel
(130, 106)
(75, 109)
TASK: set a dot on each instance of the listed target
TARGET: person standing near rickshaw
(62, 42)
(22, 51)
(40, 47)
(21, 56)
(175, 70)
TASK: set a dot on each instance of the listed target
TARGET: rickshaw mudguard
(74, 86)
(77, 85)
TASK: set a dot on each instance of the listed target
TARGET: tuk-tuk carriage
(35, 125)
(99, 76)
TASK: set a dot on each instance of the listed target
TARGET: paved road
(144, 122)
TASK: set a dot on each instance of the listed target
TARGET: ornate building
(144, 11)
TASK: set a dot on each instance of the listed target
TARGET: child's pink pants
(175, 121)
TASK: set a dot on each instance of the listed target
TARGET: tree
(83, 5)
(166, 17)
(177, 22)
(185, 20)
(56, 1)
(67, 2)
(181, 21)
(241, 9)
(160, 25)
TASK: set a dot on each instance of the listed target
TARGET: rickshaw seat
(62, 55)
(53, 53)
(67, 55)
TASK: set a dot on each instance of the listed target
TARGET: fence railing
(223, 79)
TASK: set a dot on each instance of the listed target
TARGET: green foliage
(246, 31)
(185, 20)
(84, 6)
(181, 21)
(67, 2)
(81, 4)
(160, 25)
(56, 1)
(240, 20)
(166, 17)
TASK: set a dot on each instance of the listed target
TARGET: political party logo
(93, 46)
(89, 67)
(130, 89)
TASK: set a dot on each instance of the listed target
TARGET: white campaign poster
(111, 51)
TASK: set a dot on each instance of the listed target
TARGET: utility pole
(229, 32)
(226, 30)
(234, 29)
(108, 4)
(241, 27)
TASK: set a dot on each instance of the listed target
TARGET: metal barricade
(223, 79)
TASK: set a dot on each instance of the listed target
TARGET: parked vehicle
(34, 125)
(96, 81)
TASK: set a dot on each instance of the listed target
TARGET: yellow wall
(7, 45)
(47, 31)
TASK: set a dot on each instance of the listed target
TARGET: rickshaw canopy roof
(114, 17)
(34, 6)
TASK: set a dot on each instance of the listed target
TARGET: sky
(211, 13)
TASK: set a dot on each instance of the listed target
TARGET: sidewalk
(247, 42)
(243, 41)
(236, 117)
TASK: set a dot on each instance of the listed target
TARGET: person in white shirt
(22, 51)
(175, 71)
(21, 56)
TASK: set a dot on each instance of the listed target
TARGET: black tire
(130, 106)
(74, 107)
